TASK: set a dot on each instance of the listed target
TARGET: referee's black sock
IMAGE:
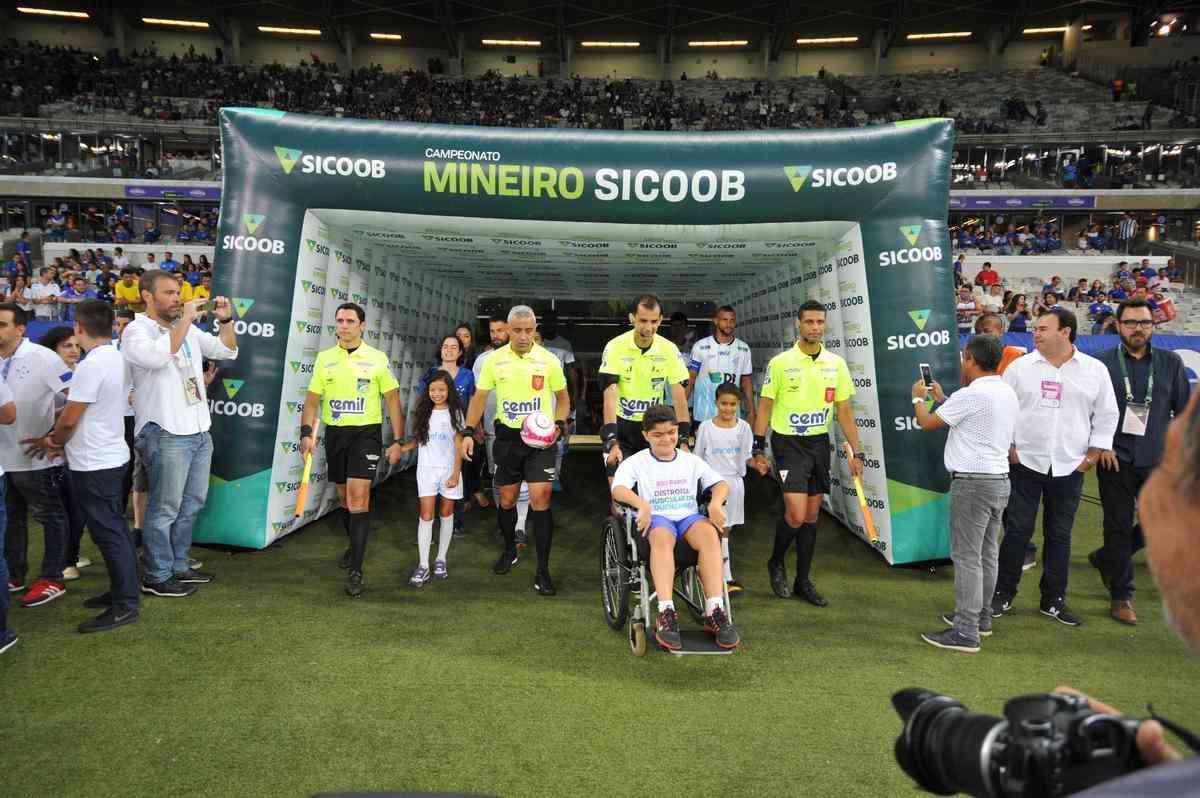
(508, 527)
(784, 535)
(345, 520)
(359, 527)
(543, 532)
(806, 544)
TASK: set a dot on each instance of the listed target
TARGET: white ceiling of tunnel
(587, 260)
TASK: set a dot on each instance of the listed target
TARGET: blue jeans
(177, 467)
(99, 496)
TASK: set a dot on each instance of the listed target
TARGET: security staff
(635, 370)
(527, 379)
(801, 387)
(1151, 387)
(347, 383)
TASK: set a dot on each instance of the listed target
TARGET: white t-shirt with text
(668, 486)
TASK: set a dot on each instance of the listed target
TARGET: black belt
(974, 475)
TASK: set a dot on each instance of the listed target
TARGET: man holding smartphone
(166, 352)
(981, 416)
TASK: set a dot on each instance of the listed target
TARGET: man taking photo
(982, 417)
(1151, 387)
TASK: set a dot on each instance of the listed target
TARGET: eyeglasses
(1145, 325)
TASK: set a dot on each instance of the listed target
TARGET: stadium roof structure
(554, 23)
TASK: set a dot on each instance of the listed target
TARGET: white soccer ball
(538, 431)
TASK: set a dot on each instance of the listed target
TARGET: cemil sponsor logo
(252, 242)
(918, 340)
(914, 254)
(336, 165)
(821, 177)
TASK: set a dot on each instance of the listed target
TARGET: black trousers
(1122, 537)
(1059, 499)
(36, 492)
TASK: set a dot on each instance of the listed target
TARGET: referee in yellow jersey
(347, 383)
(802, 388)
(527, 378)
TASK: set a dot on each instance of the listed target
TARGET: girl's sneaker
(420, 577)
(439, 570)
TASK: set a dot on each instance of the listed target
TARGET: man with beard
(166, 354)
(1151, 387)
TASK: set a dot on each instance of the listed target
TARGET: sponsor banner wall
(643, 210)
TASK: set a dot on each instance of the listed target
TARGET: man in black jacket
(1151, 387)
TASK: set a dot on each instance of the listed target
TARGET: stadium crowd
(149, 86)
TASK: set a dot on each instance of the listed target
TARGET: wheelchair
(627, 590)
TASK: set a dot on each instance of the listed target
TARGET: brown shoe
(1122, 612)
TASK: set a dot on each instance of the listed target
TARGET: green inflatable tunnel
(416, 222)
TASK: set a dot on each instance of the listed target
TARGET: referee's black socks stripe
(508, 526)
(543, 532)
(359, 527)
(784, 535)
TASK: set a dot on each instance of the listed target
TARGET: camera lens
(942, 745)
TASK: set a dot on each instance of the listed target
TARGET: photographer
(1169, 501)
(981, 416)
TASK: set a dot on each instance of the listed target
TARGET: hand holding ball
(538, 431)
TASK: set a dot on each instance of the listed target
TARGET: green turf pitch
(271, 682)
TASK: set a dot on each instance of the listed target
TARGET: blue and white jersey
(716, 363)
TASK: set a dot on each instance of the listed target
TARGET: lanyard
(1125, 374)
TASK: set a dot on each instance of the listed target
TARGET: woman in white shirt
(19, 294)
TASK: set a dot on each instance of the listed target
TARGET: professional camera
(1045, 745)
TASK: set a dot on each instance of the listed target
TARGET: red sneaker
(43, 592)
(14, 586)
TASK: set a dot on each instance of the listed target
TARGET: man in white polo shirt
(8, 414)
(91, 429)
(44, 294)
(35, 375)
(166, 352)
(981, 416)
(1067, 419)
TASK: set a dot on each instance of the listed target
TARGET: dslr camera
(1045, 745)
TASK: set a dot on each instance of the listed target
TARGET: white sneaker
(70, 573)
(84, 562)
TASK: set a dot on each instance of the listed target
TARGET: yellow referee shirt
(804, 389)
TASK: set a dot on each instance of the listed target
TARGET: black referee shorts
(352, 452)
(516, 461)
(803, 462)
(630, 439)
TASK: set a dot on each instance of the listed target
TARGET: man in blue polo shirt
(22, 247)
(169, 264)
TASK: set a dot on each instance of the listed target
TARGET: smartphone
(207, 306)
(926, 374)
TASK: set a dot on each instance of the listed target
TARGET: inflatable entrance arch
(416, 222)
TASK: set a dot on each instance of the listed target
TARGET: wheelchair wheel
(637, 638)
(614, 574)
(693, 590)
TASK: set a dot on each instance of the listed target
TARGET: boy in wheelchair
(667, 512)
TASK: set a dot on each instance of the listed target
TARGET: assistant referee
(347, 383)
(801, 387)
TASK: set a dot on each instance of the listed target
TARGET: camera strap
(1189, 738)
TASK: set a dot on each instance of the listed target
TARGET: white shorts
(432, 482)
(735, 509)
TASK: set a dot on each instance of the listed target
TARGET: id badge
(1051, 393)
(191, 389)
(1136, 417)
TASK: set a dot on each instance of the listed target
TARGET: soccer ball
(538, 431)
